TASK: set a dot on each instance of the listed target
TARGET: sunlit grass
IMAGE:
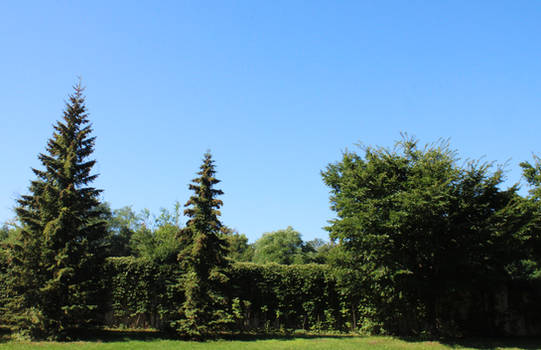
(126, 341)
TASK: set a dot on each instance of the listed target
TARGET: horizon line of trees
(154, 237)
(421, 243)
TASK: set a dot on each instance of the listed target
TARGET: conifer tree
(52, 280)
(203, 258)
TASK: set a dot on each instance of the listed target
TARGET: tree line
(422, 243)
(153, 237)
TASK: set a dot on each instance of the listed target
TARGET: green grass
(144, 341)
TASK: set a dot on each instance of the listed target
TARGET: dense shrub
(265, 298)
(273, 297)
(287, 296)
(140, 293)
(3, 266)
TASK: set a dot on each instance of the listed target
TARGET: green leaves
(281, 247)
(419, 225)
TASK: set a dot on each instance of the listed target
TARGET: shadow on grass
(525, 343)
(108, 336)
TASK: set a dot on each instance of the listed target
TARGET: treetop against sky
(275, 90)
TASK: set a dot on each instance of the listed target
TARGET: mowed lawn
(315, 343)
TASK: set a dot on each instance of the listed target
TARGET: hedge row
(139, 293)
(142, 294)
(291, 297)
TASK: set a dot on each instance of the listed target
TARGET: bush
(140, 293)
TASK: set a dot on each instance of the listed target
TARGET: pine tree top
(203, 207)
(66, 167)
(70, 145)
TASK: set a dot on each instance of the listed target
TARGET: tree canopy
(281, 247)
(420, 234)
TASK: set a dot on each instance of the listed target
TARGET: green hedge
(287, 296)
(3, 267)
(141, 294)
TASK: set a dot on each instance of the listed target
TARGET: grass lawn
(130, 341)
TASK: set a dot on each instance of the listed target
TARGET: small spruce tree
(53, 272)
(203, 258)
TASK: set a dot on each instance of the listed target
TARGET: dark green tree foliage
(420, 236)
(239, 248)
(4, 233)
(8, 234)
(530, 212)
(532, 174)
(54, 267)
(203, 258)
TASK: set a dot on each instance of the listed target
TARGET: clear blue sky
(276, 89)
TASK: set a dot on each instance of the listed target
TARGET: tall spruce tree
(52, 280)
(203, 258)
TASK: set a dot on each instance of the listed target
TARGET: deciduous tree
(281, 247)
(419, 235)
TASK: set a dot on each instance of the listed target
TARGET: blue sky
(275, 89)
